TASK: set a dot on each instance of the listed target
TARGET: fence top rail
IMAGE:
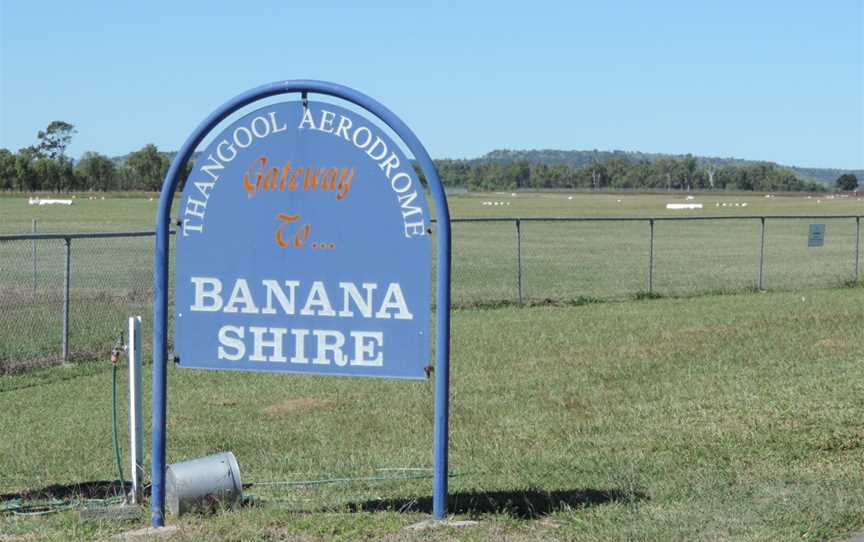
(646, 218)
(83, 235)
(104, 235)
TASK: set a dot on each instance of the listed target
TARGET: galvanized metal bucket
(205, 483)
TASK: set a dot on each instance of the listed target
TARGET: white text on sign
(301, 345)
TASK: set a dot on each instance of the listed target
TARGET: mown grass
(720, 417)
(122, 212)
(581, 415)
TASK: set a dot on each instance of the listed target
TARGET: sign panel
(304, 248)
(817, 235)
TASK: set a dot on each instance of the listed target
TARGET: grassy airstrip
(120, 212)
(565, 263)
(590, 416)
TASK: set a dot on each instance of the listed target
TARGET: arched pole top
(172, 178)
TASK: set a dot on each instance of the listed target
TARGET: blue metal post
(160, 304)
(442, 349)
(160, 355)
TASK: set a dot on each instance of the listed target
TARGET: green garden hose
(19, 506)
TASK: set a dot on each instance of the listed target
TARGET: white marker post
(136, 446)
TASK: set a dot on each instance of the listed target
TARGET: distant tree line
(665, 173)
(45, 167)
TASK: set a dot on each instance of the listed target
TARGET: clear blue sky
(772, 80)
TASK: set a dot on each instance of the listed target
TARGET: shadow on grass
(101, 489)
(526, 504)
(528, 302)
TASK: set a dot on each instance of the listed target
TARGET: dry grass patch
(298, 406)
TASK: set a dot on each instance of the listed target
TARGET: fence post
(519, 259)
(34, 257)
(67, 244)
(761, 251)
(651, 259)
(857, 243)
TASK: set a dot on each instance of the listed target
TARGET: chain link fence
(66, 296)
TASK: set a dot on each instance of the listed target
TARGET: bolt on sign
(304, 246)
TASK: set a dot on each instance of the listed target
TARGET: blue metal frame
(160, 303)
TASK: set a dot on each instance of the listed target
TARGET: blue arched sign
(303, 247)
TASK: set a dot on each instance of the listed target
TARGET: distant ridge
(579, 159)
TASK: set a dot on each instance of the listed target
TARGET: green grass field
(713, 418)
(135, 213)
(702, 417)
(572, 262)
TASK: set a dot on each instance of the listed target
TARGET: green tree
(148, 168)
(54, 139)
(516, 174)
(7, 169)
(665, 171)
(847, 182)
(689, 165)
(45, 171)
(25, 178)
(54, 175)
(97, 172)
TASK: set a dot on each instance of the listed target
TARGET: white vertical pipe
(136, 444)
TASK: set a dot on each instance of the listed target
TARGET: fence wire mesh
(31, 302)
(484, 264)
(791, 264)
(111, 278)
(501, 261)
(581, 261)
(702, 257)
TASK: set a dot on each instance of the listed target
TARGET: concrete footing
(149, 533)
(434, 524)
